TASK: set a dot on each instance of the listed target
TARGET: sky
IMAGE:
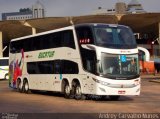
(58, 8)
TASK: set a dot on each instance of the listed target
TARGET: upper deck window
(52, 40)
(109, 36)
(114, 37)
(85, 35)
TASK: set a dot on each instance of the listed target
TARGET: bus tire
(78, 92)
(6, 76)
(67, 90)
(114, 97)
(26, 87)
(19, 86)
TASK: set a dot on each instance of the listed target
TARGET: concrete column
(1, 44)
(159, 33)
(33, 31)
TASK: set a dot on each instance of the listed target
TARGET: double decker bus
(78, 60)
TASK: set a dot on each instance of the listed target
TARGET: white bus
(4, 68)
(78, 60)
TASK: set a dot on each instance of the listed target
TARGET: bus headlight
(101, 82)
(137, 82)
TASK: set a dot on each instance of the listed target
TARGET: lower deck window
(53, 67)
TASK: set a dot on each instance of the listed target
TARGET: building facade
(120, 8)
(134, 7)
(24, 14)
(37, 11)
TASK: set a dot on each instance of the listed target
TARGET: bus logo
(46, 54)
(123, 58)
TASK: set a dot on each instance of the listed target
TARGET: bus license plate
(121, 92)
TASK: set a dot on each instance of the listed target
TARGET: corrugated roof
(142, 23)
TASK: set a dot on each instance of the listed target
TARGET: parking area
(42, 102)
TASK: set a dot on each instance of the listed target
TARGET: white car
(4, 68)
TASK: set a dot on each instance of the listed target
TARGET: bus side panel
(16, 64)
(88, 84)
(42, 82)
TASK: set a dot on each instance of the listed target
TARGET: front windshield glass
(119, 66)
(114, 37)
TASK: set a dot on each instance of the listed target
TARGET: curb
(155, 81)
(150, 76)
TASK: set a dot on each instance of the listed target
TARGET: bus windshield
(117, 37)
(119, 66)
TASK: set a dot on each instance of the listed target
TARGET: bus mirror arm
(98, 67)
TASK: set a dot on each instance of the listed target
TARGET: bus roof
(43, 33)
(66, 28)
(93, 24)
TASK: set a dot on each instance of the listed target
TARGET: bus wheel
(26, 86)
(6, 77)
(114, 97)
(78, 92)
(19, 85)
(67, 91)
